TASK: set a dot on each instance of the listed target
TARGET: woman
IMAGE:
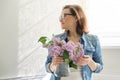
(73, 21)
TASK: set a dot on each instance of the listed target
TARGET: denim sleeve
(47, 64)
(49, 60)
(97, 56)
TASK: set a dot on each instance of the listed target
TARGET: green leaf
(50, 43)
(67, 61)
(42, 39)
(73, 65)
(65, 55)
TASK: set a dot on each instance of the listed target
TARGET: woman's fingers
(84, 60)
(57, 60)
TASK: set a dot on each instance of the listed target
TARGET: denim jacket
(91, 47)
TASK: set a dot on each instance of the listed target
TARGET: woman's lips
(62, 23)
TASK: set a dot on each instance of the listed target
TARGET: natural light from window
(41, 17)
(104, 17)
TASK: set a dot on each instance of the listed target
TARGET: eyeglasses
(64, 15)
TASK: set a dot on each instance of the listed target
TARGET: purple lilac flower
(56, 41)
(63, 42)
(75, 59)
(59, 47)
(78, 51)
(56, 50)
(81, 49)
(63, 45)
(71, 55)
(70, 47)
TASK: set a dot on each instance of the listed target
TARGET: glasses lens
(64, 15)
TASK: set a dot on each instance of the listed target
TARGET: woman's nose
(61, 20)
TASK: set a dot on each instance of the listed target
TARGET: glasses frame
(64, 15)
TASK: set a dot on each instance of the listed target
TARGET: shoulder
(92, 38)
(61, 35)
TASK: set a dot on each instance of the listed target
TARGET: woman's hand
(87, 60)
(84, 60)
(56, 61)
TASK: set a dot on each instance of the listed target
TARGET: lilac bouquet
(67, 50)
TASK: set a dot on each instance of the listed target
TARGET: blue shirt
(91, 47)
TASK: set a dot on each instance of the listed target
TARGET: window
(103, 20)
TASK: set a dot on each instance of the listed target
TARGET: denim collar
(82, 40)
(83, 36)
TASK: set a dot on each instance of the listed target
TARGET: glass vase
(62, 70)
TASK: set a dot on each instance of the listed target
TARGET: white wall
(111, 70)
(8, 38)
(9, 47)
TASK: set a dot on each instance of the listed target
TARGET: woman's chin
(63, 27)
